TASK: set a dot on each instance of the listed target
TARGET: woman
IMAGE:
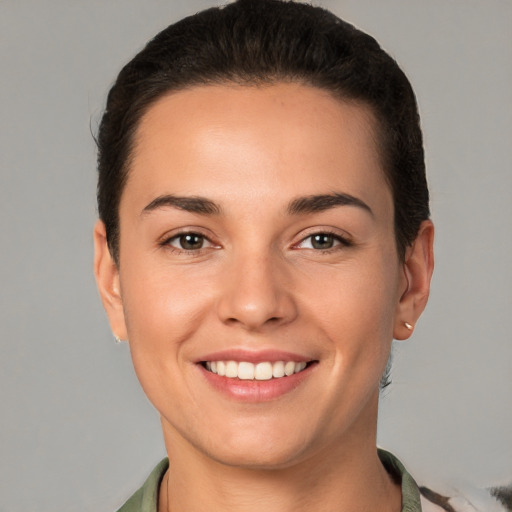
(264, 234)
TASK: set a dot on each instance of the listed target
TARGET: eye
(188, 242)
(322, 241)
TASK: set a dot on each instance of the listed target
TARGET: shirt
(146, 498)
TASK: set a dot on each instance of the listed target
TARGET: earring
(408, 326)
(118, 339)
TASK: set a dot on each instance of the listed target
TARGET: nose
(256, 293)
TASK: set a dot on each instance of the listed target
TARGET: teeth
(248, 371)
(289, 368)
(278, 369)
(231, 369)
(263, 371)
(300, 366)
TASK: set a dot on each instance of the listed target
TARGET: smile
(265, 370)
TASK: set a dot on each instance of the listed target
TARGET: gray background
(77, 433)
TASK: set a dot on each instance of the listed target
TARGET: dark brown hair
(255, 42)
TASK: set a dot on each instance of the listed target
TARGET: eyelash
(339, 242)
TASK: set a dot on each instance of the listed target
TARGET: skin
(258, 283)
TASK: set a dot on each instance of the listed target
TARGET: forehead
(278, 140)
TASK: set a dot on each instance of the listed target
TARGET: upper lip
(253, 356)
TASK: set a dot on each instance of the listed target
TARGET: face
(259, 284)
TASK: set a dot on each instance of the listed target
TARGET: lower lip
(256, 390)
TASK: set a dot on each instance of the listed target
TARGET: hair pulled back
(253, 42)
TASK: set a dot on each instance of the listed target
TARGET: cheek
(163, 313)
(161, 307)
(359, 294)
(354, 306)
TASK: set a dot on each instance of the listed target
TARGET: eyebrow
(193, 204)
(319, 203)
(299, 206)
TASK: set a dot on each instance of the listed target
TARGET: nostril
(259, 322)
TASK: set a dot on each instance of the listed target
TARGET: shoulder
(464, 498)
(410, 492)
(134, 503)
(451, 498)
(145, 499)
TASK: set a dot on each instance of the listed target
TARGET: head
(262, 200)
(264, 42)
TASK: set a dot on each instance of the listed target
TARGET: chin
(255, 458)
(258, 448)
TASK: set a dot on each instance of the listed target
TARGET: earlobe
(107, 280)
(417, 267)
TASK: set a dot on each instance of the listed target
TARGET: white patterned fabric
(464, 498)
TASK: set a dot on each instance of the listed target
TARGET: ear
(417, 268)
(107, 279)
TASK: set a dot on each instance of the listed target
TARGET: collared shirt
(146, 498)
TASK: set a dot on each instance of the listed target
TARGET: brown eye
(322, 241)
(188, 242)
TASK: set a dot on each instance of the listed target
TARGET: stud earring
(118, 339)
(408, 326)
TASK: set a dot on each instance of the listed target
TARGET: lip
(254, 357)
(253, 391)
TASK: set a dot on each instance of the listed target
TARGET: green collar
(410, 491)
(146, 498)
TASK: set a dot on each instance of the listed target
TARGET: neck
(349, 477)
